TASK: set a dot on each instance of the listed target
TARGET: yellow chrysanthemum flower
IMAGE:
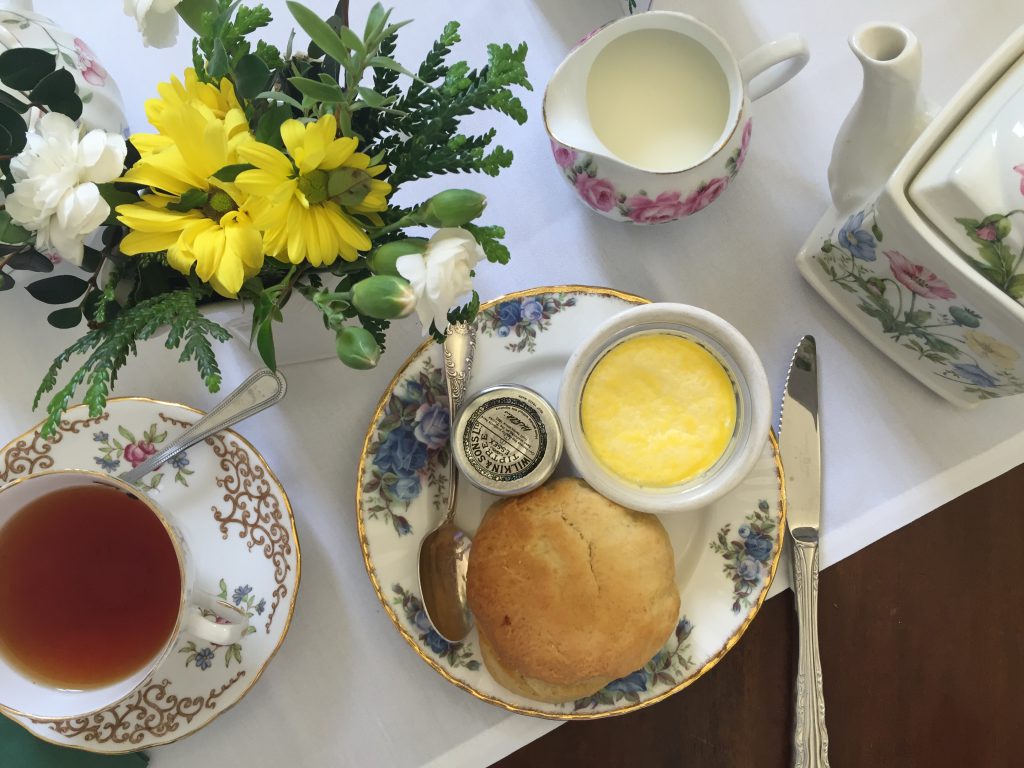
(292, 199)
(219, 237)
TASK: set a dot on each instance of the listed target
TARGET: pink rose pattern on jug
(601, 194)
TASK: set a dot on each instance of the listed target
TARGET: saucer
(240, 525)
(726, 553)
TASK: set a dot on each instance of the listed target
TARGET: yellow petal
(265, 184)
(140, 216)
(293, 134)
(338, 152)
(266, 157)
(136, 242)
(296, 236)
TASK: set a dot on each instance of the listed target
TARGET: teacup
(199, 614)
(649, 116)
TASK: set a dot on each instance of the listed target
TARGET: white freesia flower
(441, 274)
(55, 176)
(157, 21)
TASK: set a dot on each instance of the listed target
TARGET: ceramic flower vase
(21, 27)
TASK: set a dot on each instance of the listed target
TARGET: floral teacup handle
(790, 51)
(215, 621)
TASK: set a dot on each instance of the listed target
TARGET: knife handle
(810, 738)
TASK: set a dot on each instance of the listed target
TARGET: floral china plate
(726, 554)
(243, 538)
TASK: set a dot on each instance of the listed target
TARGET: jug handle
(790, 51)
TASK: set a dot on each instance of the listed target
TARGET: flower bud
(452, 208)
(383, 297)
(382, 260)
(357, 348)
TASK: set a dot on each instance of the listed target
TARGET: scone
(570, 591)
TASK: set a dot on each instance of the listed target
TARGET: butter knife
(800, 445)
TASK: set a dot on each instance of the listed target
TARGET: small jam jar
(506, 440)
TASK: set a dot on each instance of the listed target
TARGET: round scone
(569, 590)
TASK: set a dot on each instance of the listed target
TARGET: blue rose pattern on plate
(203, 656)
(667, 668)
(410, 450)
(454, 654)
(915, 309)
(523, 318)
(748, 557)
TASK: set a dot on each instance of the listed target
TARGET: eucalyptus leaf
(331, 94)
(30, 261)
(320, 32)
(22, 68)
(57, 290)
(58, 92)
(68, 317)
(251, 75)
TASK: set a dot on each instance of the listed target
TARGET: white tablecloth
(345, 689)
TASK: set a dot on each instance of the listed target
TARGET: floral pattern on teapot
(918, 310)
(600, 193)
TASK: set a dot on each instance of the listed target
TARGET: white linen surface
(345, 689)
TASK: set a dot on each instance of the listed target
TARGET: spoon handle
(459, 348)
(261, 390)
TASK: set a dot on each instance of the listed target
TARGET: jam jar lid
(506, 439)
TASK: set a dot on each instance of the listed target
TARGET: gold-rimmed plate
(241, 529)
(726, 554)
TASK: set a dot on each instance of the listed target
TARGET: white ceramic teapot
(649, 116)
(923, 248)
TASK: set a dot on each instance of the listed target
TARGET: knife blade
(800, 446)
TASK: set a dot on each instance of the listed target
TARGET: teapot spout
(886, 119)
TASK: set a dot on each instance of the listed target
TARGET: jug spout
(566, 115)
(886, 119)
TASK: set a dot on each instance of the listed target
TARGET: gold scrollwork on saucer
(152, 711)
(31, 453)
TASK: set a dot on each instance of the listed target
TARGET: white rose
(157, 21)
(441, 274)
(55, 177)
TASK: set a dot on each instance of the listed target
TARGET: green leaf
(351, 39)
(30, 261)
(385, 62)
(16, 104)
(58, 91)
(57, 290)
(11, 232)
(1016, 287)
(189, 200)
(918, 317)
(319, 32)
(284, 98)
(375, 21)
(223, 590)
(251, 75)
(331, 94)
(265, 343)
(268, 130)
(22, 68)
(68, 317)
(373, 98)
(218, 66)
(123, 431)
(230, 172)
(12, 139)
(115, 196)
(876, 231)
